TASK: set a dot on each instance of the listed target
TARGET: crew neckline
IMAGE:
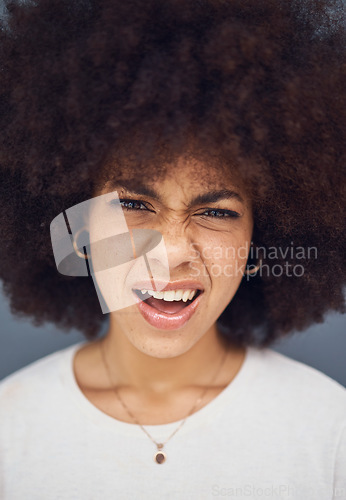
(238, 385)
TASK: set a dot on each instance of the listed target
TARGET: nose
(177, 239)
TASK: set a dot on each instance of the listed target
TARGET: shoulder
(289, 371)
(32, 383)
(298, 387)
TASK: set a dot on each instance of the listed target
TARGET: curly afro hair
(91, 90)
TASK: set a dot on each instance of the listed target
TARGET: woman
(191, 147)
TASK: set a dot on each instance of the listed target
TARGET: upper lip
(173, 285)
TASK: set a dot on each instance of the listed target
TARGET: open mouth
(166, 306)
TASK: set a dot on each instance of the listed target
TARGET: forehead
(187, 175)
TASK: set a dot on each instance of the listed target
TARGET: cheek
(231, 245)
(225, 258)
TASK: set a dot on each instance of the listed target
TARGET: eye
(131, 205)
(220, 214)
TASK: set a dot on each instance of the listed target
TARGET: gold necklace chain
(160, 455)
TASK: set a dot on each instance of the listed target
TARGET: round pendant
(160, 457)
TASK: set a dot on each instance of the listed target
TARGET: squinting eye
(221, 214)
(130, 205)
(138, 206)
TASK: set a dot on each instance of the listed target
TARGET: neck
(132, 368)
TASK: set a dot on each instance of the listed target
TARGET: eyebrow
(137, 188)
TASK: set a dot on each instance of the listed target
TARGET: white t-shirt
(277, 431)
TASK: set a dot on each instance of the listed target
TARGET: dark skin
(160, 374)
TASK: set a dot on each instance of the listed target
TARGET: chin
(163, 345)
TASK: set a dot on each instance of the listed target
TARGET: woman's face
(205, 219)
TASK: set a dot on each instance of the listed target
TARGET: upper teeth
(171, 295)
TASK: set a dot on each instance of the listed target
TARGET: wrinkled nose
(178, 249)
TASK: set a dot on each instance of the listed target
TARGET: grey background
(322, 346)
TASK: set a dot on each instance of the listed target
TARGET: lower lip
(164, 321)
